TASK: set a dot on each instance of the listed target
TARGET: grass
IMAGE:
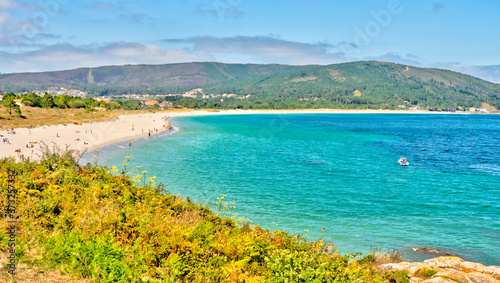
(377, 257)
(90, 223)
(426, 273)
(397, 276)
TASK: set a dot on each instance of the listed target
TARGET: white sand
(90, 136)
(81, 137)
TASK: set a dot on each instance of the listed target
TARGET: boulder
(413, 268)
(444, 262)
(431, 251)
(469, 277)
(391, 267)
(468, 266)
(493, 271)
(449, 269)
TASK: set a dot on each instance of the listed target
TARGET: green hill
(349, 85)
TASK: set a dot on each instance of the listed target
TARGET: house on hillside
(1, 98)
(19, 102)
(102, 98)
(150, 103)
(166, 104)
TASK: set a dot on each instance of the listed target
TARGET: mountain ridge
(370, 83)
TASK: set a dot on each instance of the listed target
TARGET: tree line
(64, 101)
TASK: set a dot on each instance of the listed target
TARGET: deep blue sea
(305, 172)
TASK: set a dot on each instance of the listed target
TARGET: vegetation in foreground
(89, 222)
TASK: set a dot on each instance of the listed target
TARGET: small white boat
(403, 162)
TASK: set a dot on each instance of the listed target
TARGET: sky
(51, 35)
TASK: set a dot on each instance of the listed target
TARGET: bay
(305, 172)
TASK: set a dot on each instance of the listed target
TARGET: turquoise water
(305, 172)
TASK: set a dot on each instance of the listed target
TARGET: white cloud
(408, 59)
(437, 6)
(4, 18)
(15, 5)
(220, 9)
(29, 22)
(8, 4)
(65, 56)
(133, 18)
(103, 6)
(489, 73)
(240, 49)
(264, 49)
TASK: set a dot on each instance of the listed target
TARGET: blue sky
(49, 35)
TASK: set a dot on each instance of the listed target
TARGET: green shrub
(367, 259)
(400, 276)
(96, 257)
(426, 272)
(94, 224)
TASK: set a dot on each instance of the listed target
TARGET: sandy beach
(25, 143)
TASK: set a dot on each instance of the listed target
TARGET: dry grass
(25, 273)
(37, 116)
(488, 107)
(382, 257)
(304, 79)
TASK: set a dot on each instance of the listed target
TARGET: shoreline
(119, 130)
(87, 137)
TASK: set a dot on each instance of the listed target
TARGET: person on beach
(129, 144)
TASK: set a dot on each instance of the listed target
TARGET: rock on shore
(446, 269)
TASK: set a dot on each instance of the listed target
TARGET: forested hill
(348, 85)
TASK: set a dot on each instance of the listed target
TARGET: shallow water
(299, 172)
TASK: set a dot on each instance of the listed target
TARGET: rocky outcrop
(431, 251)
(446, 269)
